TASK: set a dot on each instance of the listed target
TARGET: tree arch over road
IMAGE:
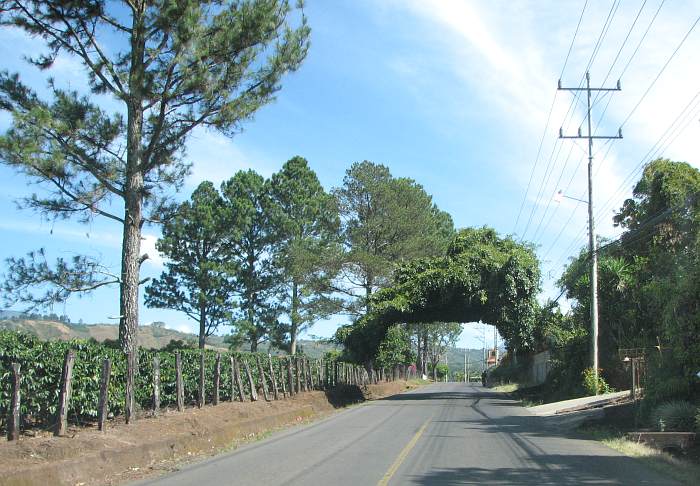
(482, 277)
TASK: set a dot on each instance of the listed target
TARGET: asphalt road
(448, 433)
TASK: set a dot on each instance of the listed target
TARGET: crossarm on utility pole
(591, 222)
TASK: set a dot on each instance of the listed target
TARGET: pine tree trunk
(250, 312)
(133, 192)
(294, 327)
(202, 325)
(368, 291)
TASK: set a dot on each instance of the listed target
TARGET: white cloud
(148, 246)
(68, 232)
(216, 158)
(182, 326)
(509, 64)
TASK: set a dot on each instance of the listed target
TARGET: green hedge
(41, 366)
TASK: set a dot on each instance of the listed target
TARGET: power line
(549, 116)
(552, 158)
(624, 70)
(673, 54)
(641, 40)
(686, 116)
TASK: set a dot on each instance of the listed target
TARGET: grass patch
(680, 469)
(418, 381)
(508, 388)
(528, 395)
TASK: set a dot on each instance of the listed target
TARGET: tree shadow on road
(549, 470)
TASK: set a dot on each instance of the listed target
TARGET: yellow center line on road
(402, 456)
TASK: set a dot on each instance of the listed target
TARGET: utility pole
(592, 250)
(465, 365)
(495, 345)
(447, 366)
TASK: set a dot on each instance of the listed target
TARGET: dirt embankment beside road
(158, 444)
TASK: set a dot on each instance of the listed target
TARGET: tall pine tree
(250, 251)
(386, 221)
(173, 67)
(195, 282)
(307, 225)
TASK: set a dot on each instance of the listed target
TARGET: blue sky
(453, 94)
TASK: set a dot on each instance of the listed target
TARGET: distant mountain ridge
(157, 336)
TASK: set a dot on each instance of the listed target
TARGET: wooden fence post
(290, 375)
(282, 379)
(200, 392)
(273, 378)
(304, 378)
(179, 389)
(65, 393)
(217, 378)
(103, 402)
(321, 377)
(310, 374)
(312, 366)
(297, 372)
(261, 373)
(237, 376)
(304, 375)
(156, 385)
(253, 391)
(13, 415)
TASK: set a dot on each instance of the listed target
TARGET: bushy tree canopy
(481, 277)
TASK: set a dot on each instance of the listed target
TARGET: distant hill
(152, 336)
(157, 336)
(455, 360)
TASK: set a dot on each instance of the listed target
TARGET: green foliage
(482, 277)
(307, 250)
(195, 282)
(650, 280)
(172, 67)
(386, 221)
(250, 256)
(568, 362)
(508, 372)
(676, 415)
(589, 383)
(664, 381)
(176, 345)
(439, 371)
(42, 362)
(433, 339)
(395, 349)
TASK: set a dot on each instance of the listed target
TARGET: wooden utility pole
(592, 250)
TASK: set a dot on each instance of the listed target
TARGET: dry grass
(509, 388)
(685, 471)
